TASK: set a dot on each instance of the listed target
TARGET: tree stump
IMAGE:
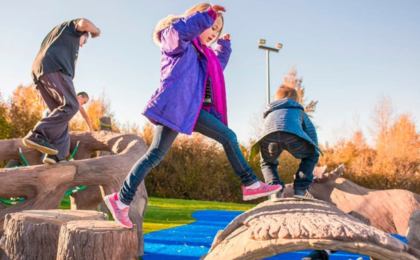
(34, 234)
(43, 186)
(103, 240)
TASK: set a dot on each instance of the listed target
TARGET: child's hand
(218, 8)
(226, 37)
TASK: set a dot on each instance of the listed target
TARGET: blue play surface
(190, 242)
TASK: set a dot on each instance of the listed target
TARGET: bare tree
(381, 119)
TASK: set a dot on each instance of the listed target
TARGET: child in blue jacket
(287, 127)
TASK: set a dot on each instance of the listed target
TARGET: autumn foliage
(196, 167)
(20, 113)
(393, 162)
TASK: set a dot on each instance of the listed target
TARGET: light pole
(268, 49)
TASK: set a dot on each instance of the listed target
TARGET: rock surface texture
(292, 225)
(387, 210)
(413, 232)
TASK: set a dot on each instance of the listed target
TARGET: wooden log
(12, 163)
(34, 234)
(10, 151)
(87, 199)
(90, 198)
(103, 240)
(105, 124)
(44, 186)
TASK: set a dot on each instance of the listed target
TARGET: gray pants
(58, 92)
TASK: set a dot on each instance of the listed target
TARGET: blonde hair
(168, 20)
(286, 92)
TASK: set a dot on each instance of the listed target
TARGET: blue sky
(348, 53)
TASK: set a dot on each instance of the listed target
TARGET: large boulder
(291, 225)
(413, 232)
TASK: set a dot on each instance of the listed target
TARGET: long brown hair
(168, 20)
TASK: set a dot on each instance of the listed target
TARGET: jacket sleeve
(309, 129)
(223, 51)
(176, 37)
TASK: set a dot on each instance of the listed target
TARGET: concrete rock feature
(292, 225)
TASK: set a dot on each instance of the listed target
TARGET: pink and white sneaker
(120, 215)
(262, 191)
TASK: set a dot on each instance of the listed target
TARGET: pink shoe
(120, 215)
(262, 191)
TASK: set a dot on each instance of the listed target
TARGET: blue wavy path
(190, 242)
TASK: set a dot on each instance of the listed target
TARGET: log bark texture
(105, 124)
(89, 240)
(34, 234)
(43, 186)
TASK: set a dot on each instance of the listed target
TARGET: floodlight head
(262, 41)
(279, 46)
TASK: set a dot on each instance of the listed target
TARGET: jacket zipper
(205, 80)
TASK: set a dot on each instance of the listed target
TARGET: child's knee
(155, 156)
(230, 137)
(315, 156)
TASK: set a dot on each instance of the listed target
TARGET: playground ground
(185, 229)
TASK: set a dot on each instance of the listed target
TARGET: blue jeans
(163, 139)
(271, 147)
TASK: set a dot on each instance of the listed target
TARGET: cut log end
(97, 240)
(24, 230)
(57, 216)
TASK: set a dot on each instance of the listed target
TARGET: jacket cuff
(212, 13)
(224, 43)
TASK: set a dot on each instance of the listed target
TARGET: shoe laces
(122, 213)
(262, 187)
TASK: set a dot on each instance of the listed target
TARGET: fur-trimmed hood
(163, 24)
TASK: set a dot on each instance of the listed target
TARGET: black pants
(271, 148)
(58, 92)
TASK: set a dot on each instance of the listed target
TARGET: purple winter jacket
(178, 100)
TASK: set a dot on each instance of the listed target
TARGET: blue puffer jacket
(286, 115)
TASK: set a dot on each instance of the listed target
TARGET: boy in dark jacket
(287, 127)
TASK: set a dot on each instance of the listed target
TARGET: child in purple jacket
(191, 97)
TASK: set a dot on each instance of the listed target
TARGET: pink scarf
(215, 72)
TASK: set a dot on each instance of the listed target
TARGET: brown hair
(286, 92)
(167, 21)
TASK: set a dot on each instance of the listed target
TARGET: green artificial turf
(169, 213)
